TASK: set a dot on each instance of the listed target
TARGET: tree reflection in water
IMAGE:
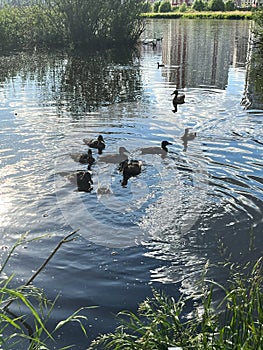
(78, 83)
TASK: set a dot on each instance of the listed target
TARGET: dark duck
(177, 100)
(99, 144)
(129, 169)
(84, 181)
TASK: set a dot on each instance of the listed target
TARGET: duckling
(116, 158)
(188, 136)
(129, 169)
(177, 100)
(87, 158)
(99, 143)
(84, 181)
(157, 150)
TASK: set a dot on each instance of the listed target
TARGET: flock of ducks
(128, 168)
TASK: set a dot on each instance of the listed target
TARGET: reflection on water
(199, 53)
(253, 98)
(160, 230)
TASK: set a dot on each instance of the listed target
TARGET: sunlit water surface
(183, 210)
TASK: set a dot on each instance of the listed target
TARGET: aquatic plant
(233, 323)
(25, 325)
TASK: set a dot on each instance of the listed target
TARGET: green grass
(235, 323)
(202, 15)
(26, 326)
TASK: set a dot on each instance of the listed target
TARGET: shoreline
(240, 15)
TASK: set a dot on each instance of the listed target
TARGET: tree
(156, 6)
(165, 6)
(183, 7)
(198, 5)
(230, 5)
(147, 7)
(216, 5)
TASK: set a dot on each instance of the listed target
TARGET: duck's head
(175, 93)
(165, 143)
(100, 138)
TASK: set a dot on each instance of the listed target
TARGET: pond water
(203, 198)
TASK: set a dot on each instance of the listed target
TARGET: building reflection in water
(199, 53)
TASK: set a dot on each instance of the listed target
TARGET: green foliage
(258, 18)
(216, 5)
(183, 7)
(230, 5)
(156, 6)
(236, 323)
(204, 15)
(165, 6)
(198, 5)
(67, 23)
(147, 7)
(27, 331)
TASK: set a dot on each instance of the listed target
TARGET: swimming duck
(115, 158)
(157, 150)
(177, 100)
(160, 65)
(99, 143)
(84, 158)
(187, 136)
(84, 181)
(129, 169)
(87, 158)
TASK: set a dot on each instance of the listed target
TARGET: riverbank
(201, 15)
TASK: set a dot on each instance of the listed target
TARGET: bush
(70, 23)
(198, 5)
(216, 5)
(183, 7)
(147, 7)
(156, 6)
(165, 6)
(230, 5)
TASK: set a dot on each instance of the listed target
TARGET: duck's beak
(169, 143)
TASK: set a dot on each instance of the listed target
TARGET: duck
(187, 136)
(177, 100)
(163, 150)
(160, 65)
(129, 168)
(84, 181)
(116, 158)
(87, 158)
(99, 143)
(84, 158)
